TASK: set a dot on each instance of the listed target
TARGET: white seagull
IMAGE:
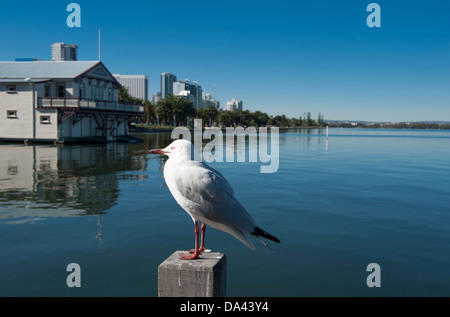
(207, 197)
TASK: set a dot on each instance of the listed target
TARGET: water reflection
(40, 181)
(62, 181)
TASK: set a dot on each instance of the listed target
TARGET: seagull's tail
(261, 233)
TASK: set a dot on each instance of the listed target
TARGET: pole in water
(327, 132)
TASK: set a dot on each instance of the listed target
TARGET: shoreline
(169, 129)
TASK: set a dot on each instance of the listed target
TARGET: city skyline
(287, 58)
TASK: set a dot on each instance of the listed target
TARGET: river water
(362, 196)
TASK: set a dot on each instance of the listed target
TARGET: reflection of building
(137, 85)
(61, 101)
(234, 104)
(64, 52)
(42, 181)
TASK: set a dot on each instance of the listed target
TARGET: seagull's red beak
(159, 151)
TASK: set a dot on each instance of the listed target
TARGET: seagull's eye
(172, 148)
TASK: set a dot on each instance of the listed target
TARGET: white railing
(88, 104)
(110, 105)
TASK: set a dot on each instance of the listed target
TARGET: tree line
(179, 111)
(409, 125)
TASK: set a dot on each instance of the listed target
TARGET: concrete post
(204, 277)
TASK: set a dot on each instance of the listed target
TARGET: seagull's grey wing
(211, 192)
(199, 182)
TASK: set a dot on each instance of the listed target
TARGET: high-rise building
(167, 80)
(137, 85)
(197, 91)
(234, 104)
(64, 52)
(156, 97)
(192, 91)
(209, 100)
(179, 86)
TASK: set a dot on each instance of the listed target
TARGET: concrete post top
(202, 277)
(206, 261)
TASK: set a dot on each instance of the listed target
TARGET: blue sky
(280, 57)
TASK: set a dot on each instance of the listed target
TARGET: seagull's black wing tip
(261, 233)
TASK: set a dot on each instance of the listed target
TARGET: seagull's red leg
(196, 252)
(202, 245)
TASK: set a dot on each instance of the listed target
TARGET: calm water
(365, 196)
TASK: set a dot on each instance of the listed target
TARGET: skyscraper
(137, 85)
(209, 100)
(167, 80)
(156, 97)
(197, 91)
(64, 52)
(192, 91)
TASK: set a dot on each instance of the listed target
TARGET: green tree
(201, 114)
(226, 119)
(182, 109)
(309, 120)
(164, 111)
(212, 114)
(177, 107)
(149, 115)
(125, 97)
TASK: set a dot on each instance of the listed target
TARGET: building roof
(130, 76)
(23, 80)
(45, 69)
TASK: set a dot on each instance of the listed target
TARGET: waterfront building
(137, 85)
(64, 52)
(167, 80)
(61, 102)
(234, 104)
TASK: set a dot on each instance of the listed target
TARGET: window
(11, 114)
(45, 120)
(93, 92)
(110, 94)
(61, 91)
(82, 91)
(47, 91)
(11, 89)
(100, 93)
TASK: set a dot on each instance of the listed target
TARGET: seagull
(207, 197)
